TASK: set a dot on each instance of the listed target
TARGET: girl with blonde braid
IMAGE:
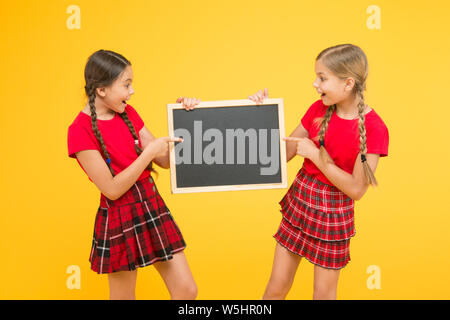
(341, 140)
(133, 227)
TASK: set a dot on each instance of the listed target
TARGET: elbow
(357, 193)
(356, 196)
(108, 188)
(111, 195)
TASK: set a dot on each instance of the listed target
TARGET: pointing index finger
(292, 139)
(174, 139)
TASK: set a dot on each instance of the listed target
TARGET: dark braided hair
(102, 69)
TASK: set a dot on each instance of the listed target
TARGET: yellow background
(219, 50)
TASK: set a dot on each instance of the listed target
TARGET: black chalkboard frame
(229, 103)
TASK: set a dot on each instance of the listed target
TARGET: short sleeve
(377, 138)
(312, 113)
(134, 118)
(79, 139)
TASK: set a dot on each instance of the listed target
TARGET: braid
(348, 61)
(321, 135)
(361, 125)
(363, 141)
(91, 96)
(135, 136)
(102, 69)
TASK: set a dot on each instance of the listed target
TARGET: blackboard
(228, 145)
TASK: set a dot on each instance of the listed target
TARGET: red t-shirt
(117, 138)
(342, 138)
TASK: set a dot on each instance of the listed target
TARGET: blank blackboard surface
(228, 145)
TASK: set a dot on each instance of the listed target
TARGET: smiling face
(116, 95)
(332, 89)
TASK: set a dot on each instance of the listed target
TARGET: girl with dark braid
(341, 140)
(133, 227)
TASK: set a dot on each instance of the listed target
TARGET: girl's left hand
(188, 103)
(305, 146)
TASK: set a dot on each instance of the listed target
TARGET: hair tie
(363, 158)
(108, 161)
(136, 142)
(321, 143)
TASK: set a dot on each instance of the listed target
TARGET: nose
(315, 84)
(131, 90)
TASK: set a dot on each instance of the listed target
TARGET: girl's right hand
(259, 97)
(160, 146)
(188, 103)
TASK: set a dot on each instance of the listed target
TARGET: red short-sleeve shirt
(342, 138)
(117, 138)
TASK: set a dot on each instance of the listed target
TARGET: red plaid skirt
(317, 223)
(133, 231)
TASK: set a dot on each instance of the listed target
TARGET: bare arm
(291, 146)
(354, 185)
(146, 137)
(114, 187)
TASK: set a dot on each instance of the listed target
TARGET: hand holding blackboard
(188, 103)
(259, 96)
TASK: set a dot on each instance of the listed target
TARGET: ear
(101, 92)
(349, 84)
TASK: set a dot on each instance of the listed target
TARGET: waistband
(303, 174)
(142, 190)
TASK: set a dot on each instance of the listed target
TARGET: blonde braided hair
(363, 141)
(346, 61)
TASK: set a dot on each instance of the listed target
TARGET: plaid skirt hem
(325, 254)
(135, 266)
(307, 258)
(298, 226)
(134, 231)
(319, 210)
